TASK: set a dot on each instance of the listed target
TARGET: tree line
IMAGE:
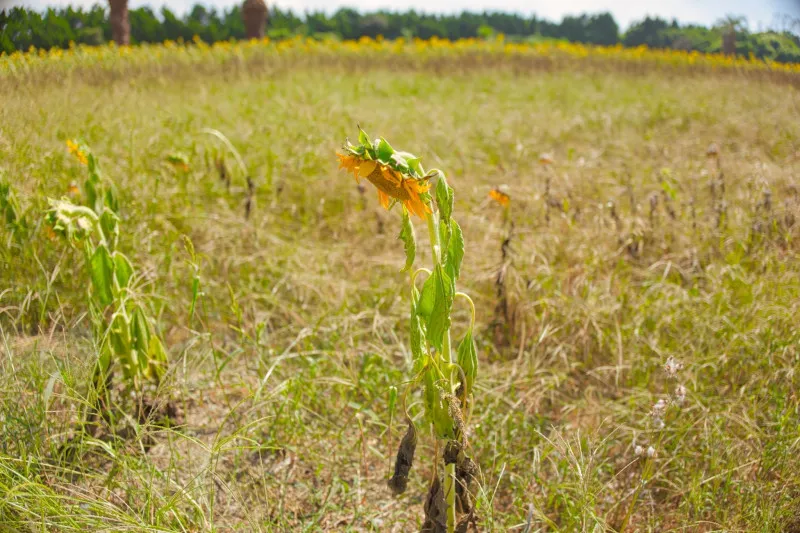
(22, 28)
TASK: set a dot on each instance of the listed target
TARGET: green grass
(283, 375)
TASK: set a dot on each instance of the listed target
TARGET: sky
(760, 14)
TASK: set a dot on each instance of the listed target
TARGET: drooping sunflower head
(398, 176)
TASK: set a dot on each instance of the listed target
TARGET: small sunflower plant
(444, 373)
(122, 324)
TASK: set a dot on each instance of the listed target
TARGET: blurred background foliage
(21, 29)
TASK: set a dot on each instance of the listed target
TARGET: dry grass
(283, 376)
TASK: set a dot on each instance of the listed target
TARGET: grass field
(638, 251)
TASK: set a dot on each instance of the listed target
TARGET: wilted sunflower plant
(446, 376)
(122, 326)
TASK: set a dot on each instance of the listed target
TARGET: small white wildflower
(651, 452)
(680, 395)
(659, 409)
(638, 450)
(672, 367)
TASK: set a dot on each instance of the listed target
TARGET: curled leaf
(468, 360)
(444, 198)
(435, 509)
(455, 251)
(404, 460)
(409, 240)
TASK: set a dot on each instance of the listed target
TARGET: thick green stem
(447, 357)
(450, 495)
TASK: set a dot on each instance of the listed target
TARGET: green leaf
(90, 189)
(105, 357)
(363, 138)
(428, 298)
(439, 320)
(415, 165)
(102, 273)
(444, 240)
(455, 251)
(409, 241)
(140, 336)
(436, 407)
(384, 150)
(444, 198)
(399, 160)
(120, 338)
(111, 200)
(109, 224)
(468, 359)
(156, 359)
(123, 269)
(417, 333)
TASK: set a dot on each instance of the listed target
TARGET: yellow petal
(383, 198)
(365, 168)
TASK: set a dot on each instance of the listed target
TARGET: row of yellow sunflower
(114, 57)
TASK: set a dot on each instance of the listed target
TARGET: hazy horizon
(759, 15)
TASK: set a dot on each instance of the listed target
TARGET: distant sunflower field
(415, 52)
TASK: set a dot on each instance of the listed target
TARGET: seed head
(672, 367)
(659, 409)
(680, 395)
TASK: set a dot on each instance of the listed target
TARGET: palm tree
(254, 13)
(120, 27)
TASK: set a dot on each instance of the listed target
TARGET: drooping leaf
(444, 240)
(404, 460)
(468, 359)
(156, 358)
(444, 198)
(123, 269)
(90, 189)
(427, 298)
(436, 408)
(417, 333)
(140, 337)
(111, 200)
(409, 240)
(439, 320)
(119, 335)
(455, 251)
(102, 273)
(109, 224)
